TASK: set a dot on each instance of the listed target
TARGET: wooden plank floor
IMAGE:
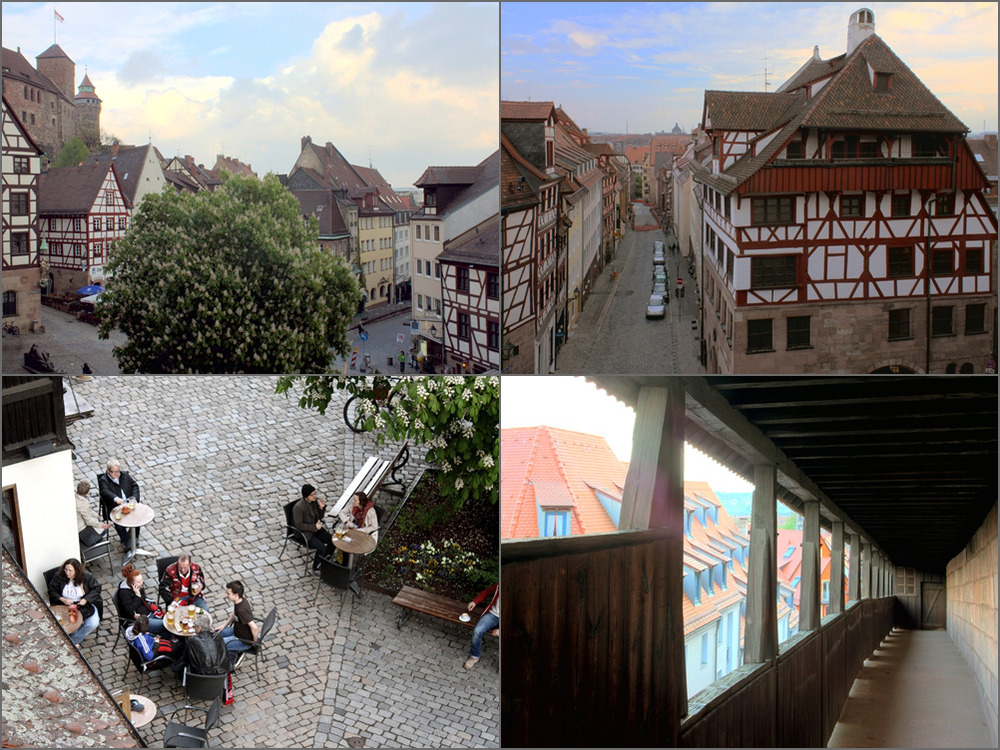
(916, 690)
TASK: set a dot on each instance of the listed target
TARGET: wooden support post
(837, 569)
(653, 496)
(866, 570)
(809, 600)
(761, 641)
(854, 574)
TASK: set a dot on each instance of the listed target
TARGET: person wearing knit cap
(307, 515)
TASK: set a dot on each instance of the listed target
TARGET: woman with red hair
(132, 600)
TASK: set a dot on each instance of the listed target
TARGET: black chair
(183, 735)
(333, 574)
(96, 551)
(163, 589)
(257, 647)
(293, 535)
(379, 514)
(144, 667)
(204, 686)
(123, 622)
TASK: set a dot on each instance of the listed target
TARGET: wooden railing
(796, 700)
(593, 655)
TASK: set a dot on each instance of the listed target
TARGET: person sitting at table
(133, 602)
(117, 486)
(240, 631)
(307, 515)
(73, 586)
(361, 515)
(183, 582)
(150, 646)
(87, 521)
(206, 653)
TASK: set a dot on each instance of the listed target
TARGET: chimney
(306, 140)
(114, 150)
(860, 27)
(816, 53)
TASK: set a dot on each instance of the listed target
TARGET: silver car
(658, 257)
(661, 290)
(655, 308)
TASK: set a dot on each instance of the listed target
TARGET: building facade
(21, 262)
(845, 225)
(82, 212)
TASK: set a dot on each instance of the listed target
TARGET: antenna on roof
(766, 84)
(369, 156)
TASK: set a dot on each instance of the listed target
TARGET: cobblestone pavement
(382, 343)
(217, 457)
(613, 335)
(69, 342)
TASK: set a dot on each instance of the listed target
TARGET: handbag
(89, 536)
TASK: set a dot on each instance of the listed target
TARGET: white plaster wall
(47, 512)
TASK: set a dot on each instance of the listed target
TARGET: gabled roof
(71, 191)
(479, 246)
(324, 206)
(20, 126)
(526, 110)
(373, 178)
(233, 166)
(129, 163)
(448, 176)
(749, 110)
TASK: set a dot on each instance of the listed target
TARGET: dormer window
(796, 150)
(882, 81)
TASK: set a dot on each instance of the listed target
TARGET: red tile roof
(525, 110)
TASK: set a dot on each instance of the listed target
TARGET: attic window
(796, 150)
(882, 81)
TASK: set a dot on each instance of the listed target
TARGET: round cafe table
(148, 713)
(142, 515)
(175, 626)
(354, 542)
(61, 611)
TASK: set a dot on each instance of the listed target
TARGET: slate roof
(479, 246)
(525, 110)
(71, 191)
(51, 696)
(129, 163)
(848, 101)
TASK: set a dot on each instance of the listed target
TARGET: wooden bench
(370, 479)
(414, 600)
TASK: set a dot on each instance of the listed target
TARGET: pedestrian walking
(402, 361)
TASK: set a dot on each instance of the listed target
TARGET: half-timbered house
(845, 227)
(21, 267)
(82, 212)
(534, 249)
(470, 286)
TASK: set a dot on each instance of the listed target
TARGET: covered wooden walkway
(916, 690)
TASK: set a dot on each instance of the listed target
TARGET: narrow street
(613, 336)
(69, 342)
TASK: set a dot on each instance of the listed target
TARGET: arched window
(950, 369)
(967, 369)
(372, 295)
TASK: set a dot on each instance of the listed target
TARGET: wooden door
(932, 607)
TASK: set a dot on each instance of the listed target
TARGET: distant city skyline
(411, 84)
(647, 65)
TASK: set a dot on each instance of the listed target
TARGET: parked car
(659, 275)
(655, 308)
(662, 291)
(657, 247)
(658, 258)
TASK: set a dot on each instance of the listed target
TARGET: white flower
(459, 483)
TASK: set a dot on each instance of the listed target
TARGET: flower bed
(429, 547)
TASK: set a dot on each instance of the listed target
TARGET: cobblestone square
(217, 457)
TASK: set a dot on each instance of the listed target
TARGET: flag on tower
(57, 15)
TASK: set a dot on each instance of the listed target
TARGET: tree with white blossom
(226, 281)
(457, 417)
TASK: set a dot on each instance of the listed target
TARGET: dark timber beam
(854, 579)
(837, 569)
(866, 570)
(761, 639)
(809, 612)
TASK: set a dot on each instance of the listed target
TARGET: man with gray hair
(205, 652)
(116, 486)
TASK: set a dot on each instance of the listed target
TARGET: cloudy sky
(416, 84)
(573, 403)
(650, 63)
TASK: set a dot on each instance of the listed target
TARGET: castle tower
(88, 105)
(55, 65)
(860, 27)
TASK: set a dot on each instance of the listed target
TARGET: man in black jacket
(205, 651)
(116, 486)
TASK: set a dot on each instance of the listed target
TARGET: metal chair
(257, 647)
(184, 735)
(144, 667)
(333, 574)
(162, 563)
(204, 686)
(293, 535)
(123, 622)
(96, 551)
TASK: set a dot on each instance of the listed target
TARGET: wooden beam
(866, 570)
(854, 577)
(837, 570)
(809, 598)
(761, 638)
